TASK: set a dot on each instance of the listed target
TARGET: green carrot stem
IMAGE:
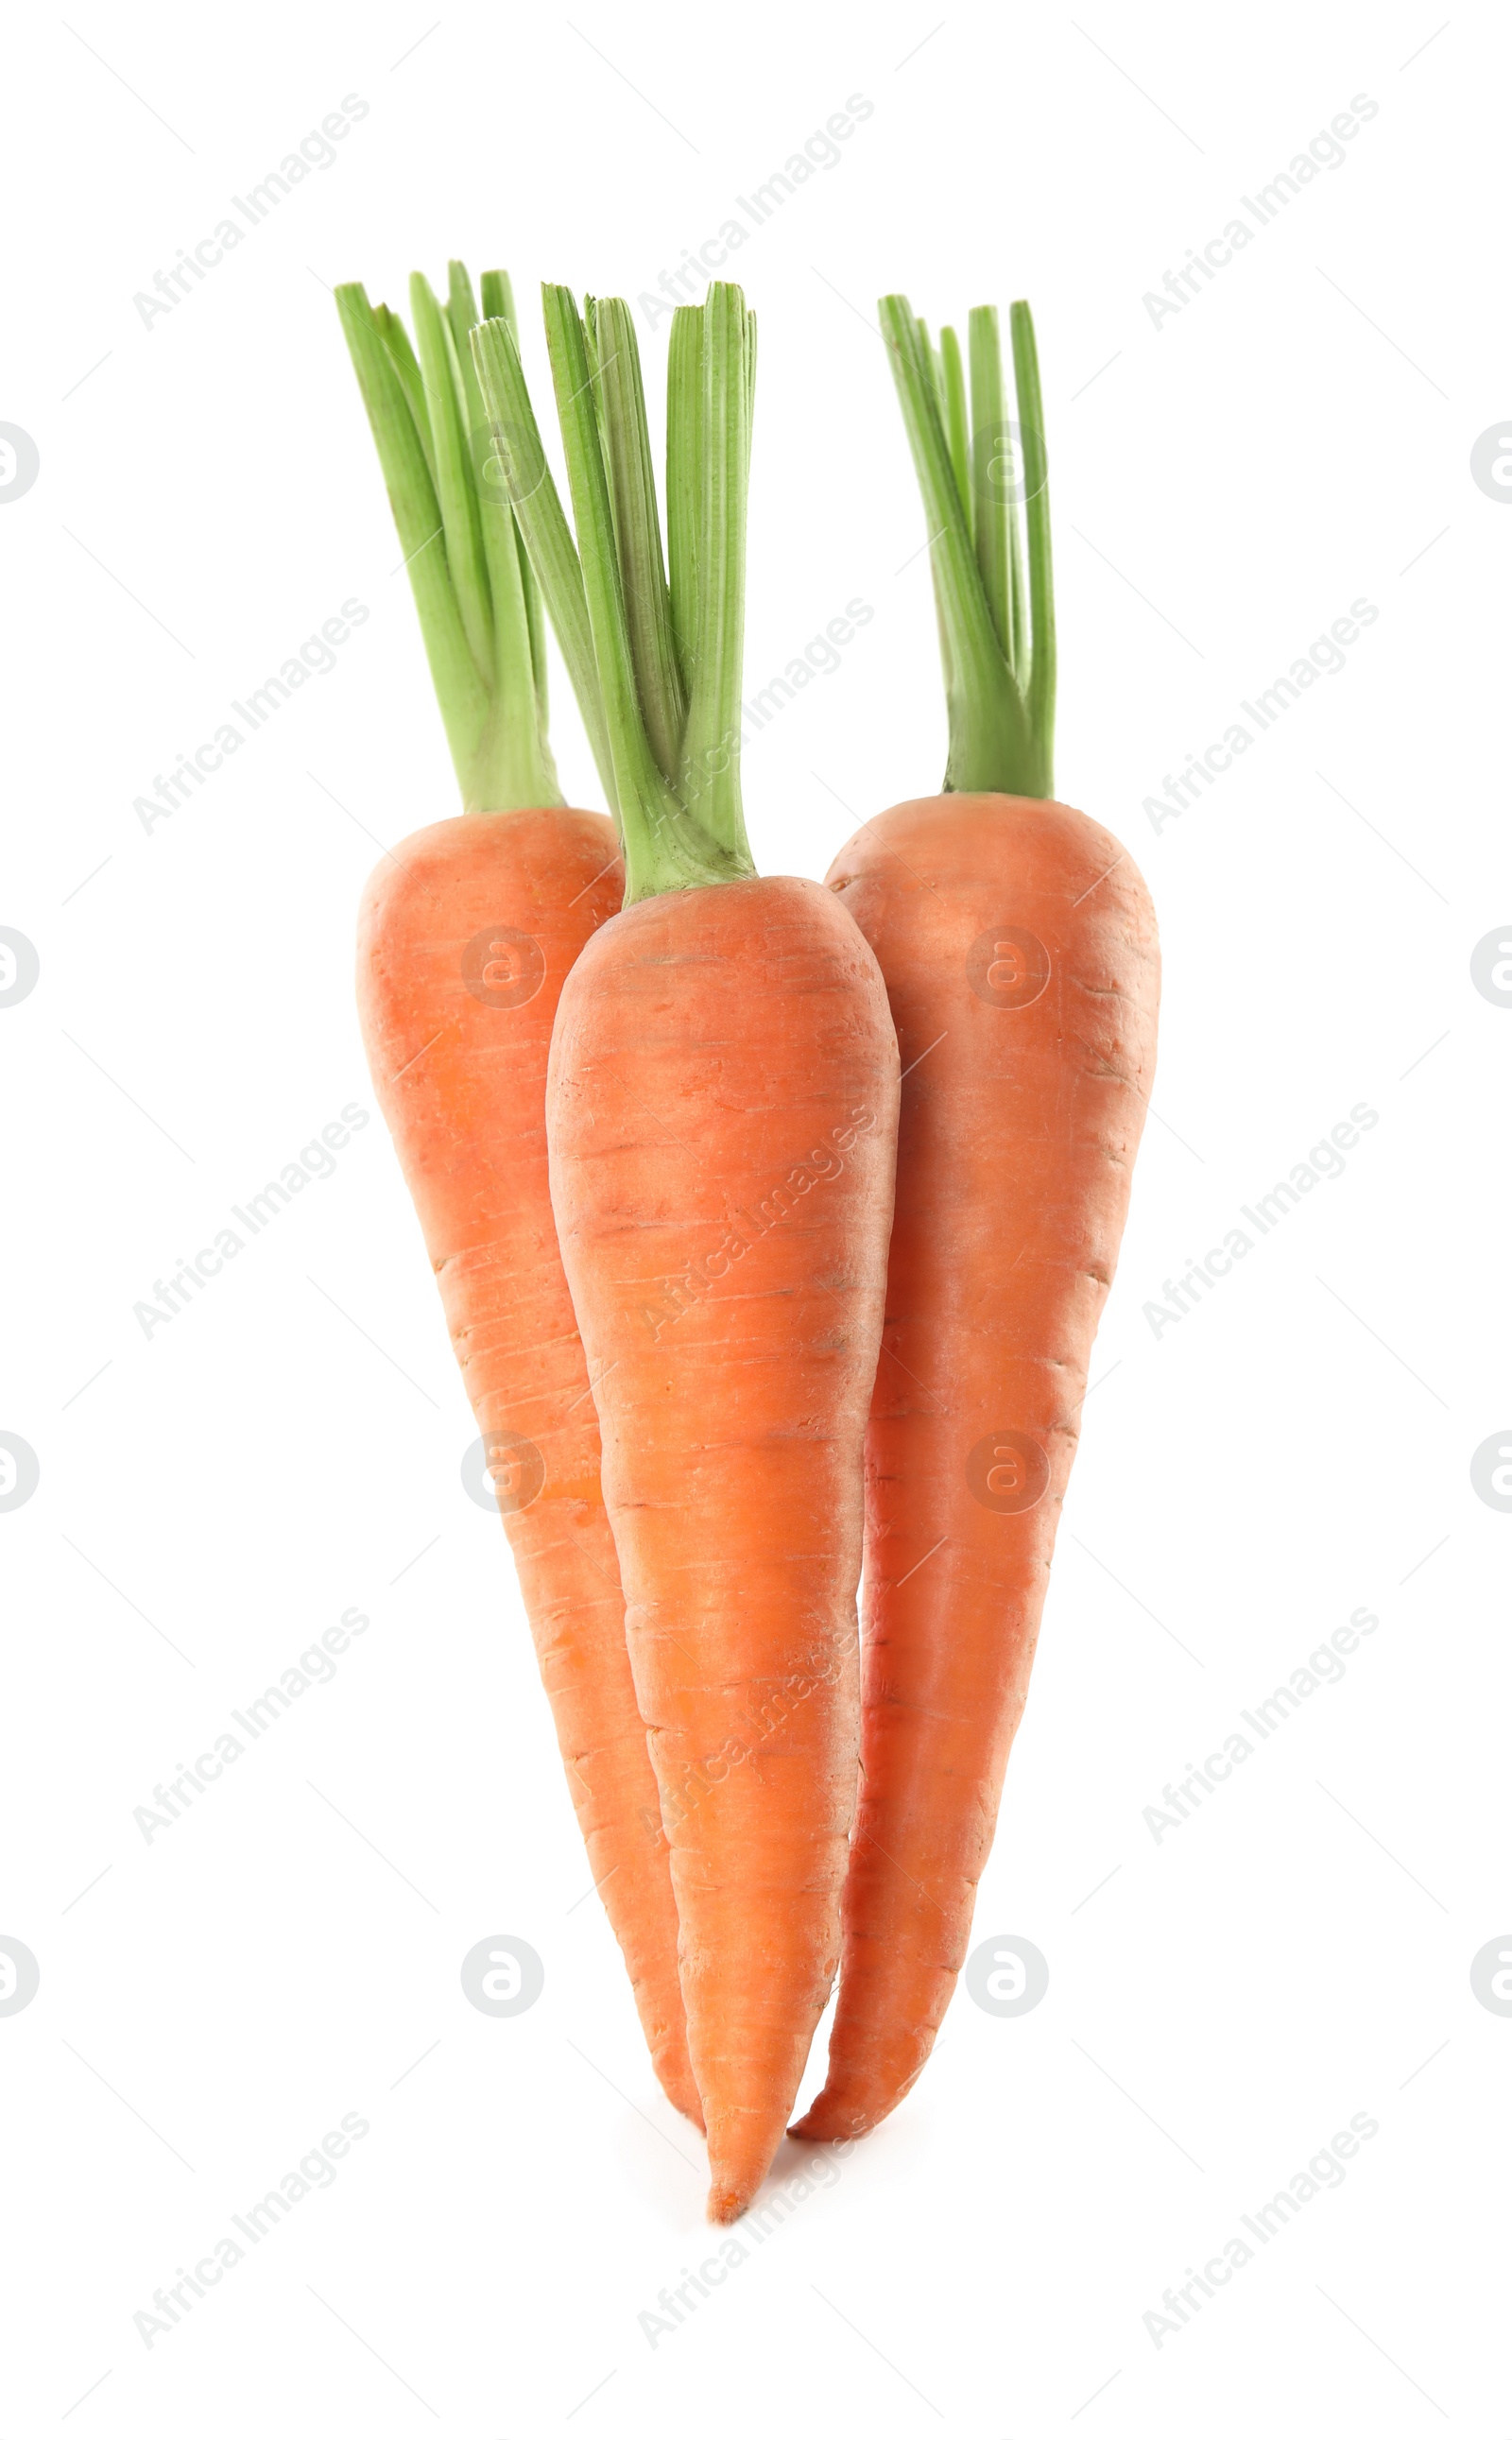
(647, 805)
(1018, 601)
(663, 675)
(455, 488)
(470, 585)
(993, 641)
(685, 502)
(958, 428)
(637, 525)
(407, 365)
(709, 774)
(459, 689)
(518, 638)
(990, 455)
(520, 459)
(499, 305)
(1037, 518)
(462, 306)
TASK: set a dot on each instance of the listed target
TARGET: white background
(1224, 486)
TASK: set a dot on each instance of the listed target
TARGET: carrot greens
(476, 596)
(655, 662)
(975, 468)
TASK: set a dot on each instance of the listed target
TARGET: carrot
(467, 933)
(721, 1112)
(1019, 951)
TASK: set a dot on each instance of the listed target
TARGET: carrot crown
(975, 468)
(654, 658)
(480, 610)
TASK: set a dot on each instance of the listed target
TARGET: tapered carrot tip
(831, 2121)
(741, 2150)
(674, 2070)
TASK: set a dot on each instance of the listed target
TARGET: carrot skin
(722, 1111)
(1019, 951)
(466, 935)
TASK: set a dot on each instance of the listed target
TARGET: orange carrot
(1019, 951)
(721, 1111)
(468, 931)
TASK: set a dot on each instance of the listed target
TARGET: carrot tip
(725, 2205)
(676, 2078)
(831, 2125)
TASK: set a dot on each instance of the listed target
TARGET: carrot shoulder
(722, 1115)
(468, 931)
(1019, 951)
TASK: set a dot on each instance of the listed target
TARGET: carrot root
(467, 934)
(722, 1118)
(1019, 952)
